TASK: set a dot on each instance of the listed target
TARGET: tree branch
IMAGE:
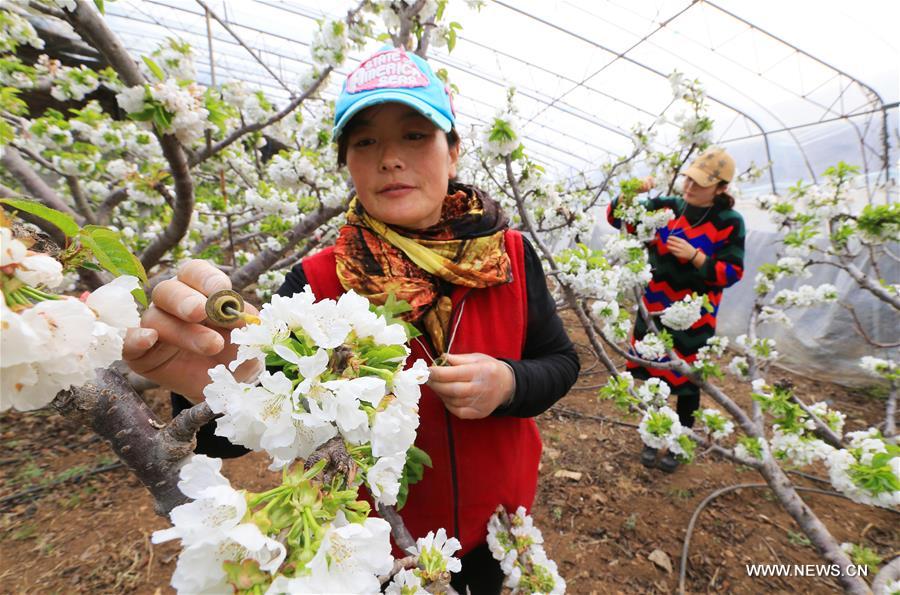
(91, 26)
(864, 281)
(112, 200)
(81, 200)
(250, 272)
(822, 429)
(152, 450)
(890, 413)
(207, 152)
(862, 332)
(569, 294)
(35, 185)
(400, 533)
(888, 573)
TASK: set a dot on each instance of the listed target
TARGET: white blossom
(57, 344)
(439, 545)
(383, 478)
(654, 392)
(660, 428)
(406, 582)
(739, 367)
(350, 558)
(682, 315)
(651, 347)
(40, 269)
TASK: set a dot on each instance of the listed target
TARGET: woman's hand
(647, 184)
(473, 385)
(174, 347)
(683, 250)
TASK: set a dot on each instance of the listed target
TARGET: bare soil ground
(91, 533)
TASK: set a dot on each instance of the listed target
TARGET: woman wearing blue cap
(476, 290)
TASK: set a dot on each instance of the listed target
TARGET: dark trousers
(480, 573)
(688, 403)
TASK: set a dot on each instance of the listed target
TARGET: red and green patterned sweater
(717, 231)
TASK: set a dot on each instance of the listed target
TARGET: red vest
(477, 464)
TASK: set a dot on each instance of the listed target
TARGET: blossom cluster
(715, 423)
(502, 138)
(645, 222)
(629, 256)
(661, 428)
(176, 107)
(517, 544)
(682, 315)
(740, 367)
(651, 347)
(868, 470)
(434, 553)
(340, 372)
(806, 296)
(50, 342)
(654, 392)
(886, 368)
(15, 30)
(762, 349)
(295, 538)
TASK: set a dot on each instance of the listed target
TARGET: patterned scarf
(466, 247)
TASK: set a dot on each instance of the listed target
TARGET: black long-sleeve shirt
(548, 368)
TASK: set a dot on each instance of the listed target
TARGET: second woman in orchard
(477, 292)
(700, 251)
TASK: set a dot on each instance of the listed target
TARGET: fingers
(137, 342)
(185, 295)
(153, 359)
(452, 392)
(466, 412)
(454, 373)
(195, 338)
(203, 277)
(180, 300)
(455, 359)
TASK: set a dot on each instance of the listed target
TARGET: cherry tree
(173, 173)
(604, 288)
(152, 163)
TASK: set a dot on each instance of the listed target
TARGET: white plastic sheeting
(823, 341)
(801, 84)
(587, 70)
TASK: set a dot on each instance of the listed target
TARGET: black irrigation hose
(682, 570)
(76, 477)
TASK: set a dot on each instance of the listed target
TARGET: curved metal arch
(636, 108)
(868, 88)
(527, 93)
(658, 73)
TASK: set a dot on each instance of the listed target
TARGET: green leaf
(154, 68)
(413, 471)
(99, 5)
(63, 221)
(112, 253)
(145, 114)
(162, 118)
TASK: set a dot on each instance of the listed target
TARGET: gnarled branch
(152, 450)
(264, 261)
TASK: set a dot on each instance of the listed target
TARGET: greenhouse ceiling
(798, 84)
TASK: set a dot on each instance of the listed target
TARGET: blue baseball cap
(393, 75)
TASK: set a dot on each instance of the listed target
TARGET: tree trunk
(152, 450)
